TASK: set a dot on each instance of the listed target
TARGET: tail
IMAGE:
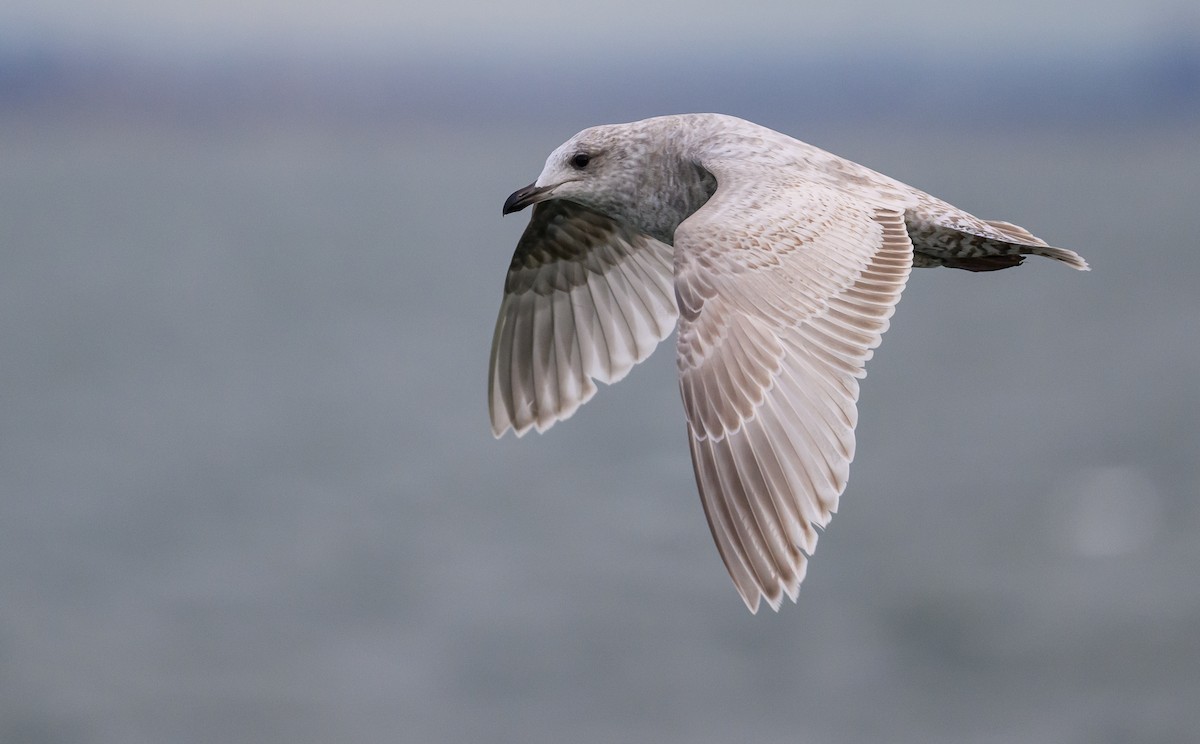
(1070, 258)
(1031, 245)
(973, 244)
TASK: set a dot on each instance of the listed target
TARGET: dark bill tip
(522, 198)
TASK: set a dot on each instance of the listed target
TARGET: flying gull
(782, 264)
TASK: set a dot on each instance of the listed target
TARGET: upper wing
(586, 298)
(783, 291)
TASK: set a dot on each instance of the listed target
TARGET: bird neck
(667, 198)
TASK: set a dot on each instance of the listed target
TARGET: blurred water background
(248, 491)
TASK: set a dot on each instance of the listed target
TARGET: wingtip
(500, 428)
(751, 603)
(755, 600)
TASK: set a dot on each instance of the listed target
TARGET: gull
(781, 264)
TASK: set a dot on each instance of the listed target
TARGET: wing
(586, 298)
(783, 291)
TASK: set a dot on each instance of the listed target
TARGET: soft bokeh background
(252, 255)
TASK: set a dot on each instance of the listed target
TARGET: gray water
(248, 491)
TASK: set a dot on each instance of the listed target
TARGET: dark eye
(581, 159)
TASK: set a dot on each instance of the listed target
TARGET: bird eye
(581, 159)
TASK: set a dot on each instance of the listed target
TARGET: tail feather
(1031, 245)
(958, 240)
(1070, 258)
